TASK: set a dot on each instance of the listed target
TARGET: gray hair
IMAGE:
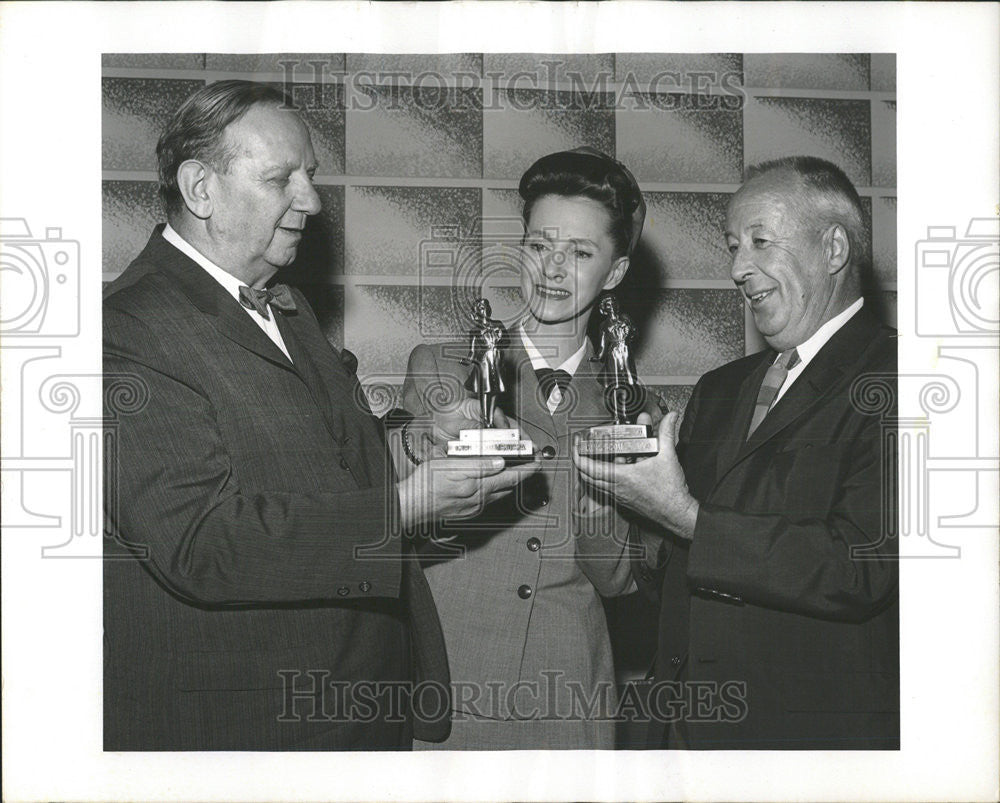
(834, 200)
(196, 131)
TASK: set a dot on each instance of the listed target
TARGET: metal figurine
(619, 375)
(485, 343)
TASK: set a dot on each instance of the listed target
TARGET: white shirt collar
(227, 280)
(811, 347)
(570, 365)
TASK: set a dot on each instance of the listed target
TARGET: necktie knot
(279, 297)
(549, 379)
(773, 380)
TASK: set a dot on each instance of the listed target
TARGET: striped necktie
(773, 380)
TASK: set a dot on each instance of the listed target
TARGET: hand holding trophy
(486, 341)
(623, 393)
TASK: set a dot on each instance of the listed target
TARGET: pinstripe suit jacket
(243, 489)
(526, 543)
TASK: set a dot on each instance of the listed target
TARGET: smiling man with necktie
(776, 568)
(265, 574)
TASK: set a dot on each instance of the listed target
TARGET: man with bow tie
(776, 566)
(266, 571)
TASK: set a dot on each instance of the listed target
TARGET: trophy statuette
(623, 393)
(486, 341)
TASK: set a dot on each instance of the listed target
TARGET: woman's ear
(192, 181)
(618, 270)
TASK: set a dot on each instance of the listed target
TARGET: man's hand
(654, 487)
(457, 487)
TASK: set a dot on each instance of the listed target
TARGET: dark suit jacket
(789, 585)
(244, 487)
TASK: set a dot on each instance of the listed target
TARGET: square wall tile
(308, 67)
(806, 70)
(519, 126)
(134, 114)
(698, 71)
(884, 256)
(321, 106)
(584, 71)
(418, 69)
(685, 332)
(383, 323)
(682, 138)
(129, 211)
(836, 130)
(414, 131)
(883, 72)
(321, 252)
(683, 237)
(155, 61)
(389, 229)
(884, 143)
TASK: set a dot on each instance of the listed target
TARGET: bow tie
(548, 380)
(279, 297)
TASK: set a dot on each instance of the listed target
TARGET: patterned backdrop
(420, 158)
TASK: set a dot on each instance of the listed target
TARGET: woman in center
(518, 588)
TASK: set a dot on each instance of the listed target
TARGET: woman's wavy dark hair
(591, 175)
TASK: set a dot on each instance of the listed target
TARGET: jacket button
(343, 591)
(534, 544)
(524, 591)
(548, 452)
(344, 464)
(675, 660)
(543, 501)
(365, 586)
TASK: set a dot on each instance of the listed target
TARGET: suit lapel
(820, 377)
(224, 311)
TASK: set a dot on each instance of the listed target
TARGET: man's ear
(838, 248)
(192, 181)
(618, 270)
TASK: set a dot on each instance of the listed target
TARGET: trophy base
(490, 443)
(613, 440)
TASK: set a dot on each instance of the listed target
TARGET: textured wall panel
(322, 108)
(807, 70)
(521, 125)
(385, 226)
(129, 211)
(686, 332)
(883, 72)
(682, 237)
(884, 239)
(837, 130)
(585, 72)
(301, 68)
(418, 69)
(414, 131)
(687, 70)
(135, 111)
(155, 61)
(884, 143)
(681, 138)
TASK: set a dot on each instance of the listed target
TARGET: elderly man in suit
(270, 602)
(777, 569)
